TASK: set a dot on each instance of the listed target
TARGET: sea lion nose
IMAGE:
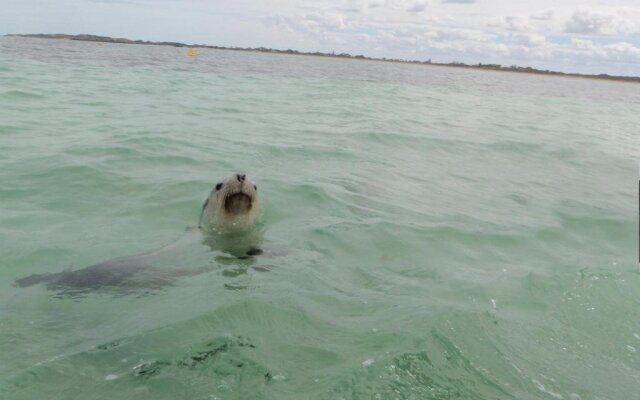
(241, 177)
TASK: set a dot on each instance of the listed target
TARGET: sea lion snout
(238, 203)
(233, 204)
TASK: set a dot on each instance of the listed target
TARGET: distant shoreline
(479, 66)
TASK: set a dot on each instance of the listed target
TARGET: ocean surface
(435, 233)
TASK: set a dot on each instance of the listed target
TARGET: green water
(439, 233)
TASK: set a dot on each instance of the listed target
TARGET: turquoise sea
(439, 233)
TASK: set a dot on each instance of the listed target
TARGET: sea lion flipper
(32, 280)
(254, 251)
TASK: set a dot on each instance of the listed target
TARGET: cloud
(543, 15)
(422, 30)
(323, 21)
(315, 24)
(459, 1)
(514, 39)
(582, 45)
(417, 6)
(511, 23)
(375, 3)
(278, 21)
(363, 5)
(528, 39)
(621, 52)
(590, 22)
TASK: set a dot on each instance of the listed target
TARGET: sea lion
(228, 224)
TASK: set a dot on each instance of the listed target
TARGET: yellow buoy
(191, 52)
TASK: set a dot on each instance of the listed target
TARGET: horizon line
(454, 64)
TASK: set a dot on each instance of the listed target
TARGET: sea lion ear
(218, 186)
(255, 187)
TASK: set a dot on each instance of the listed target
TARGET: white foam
(367, 362)
(541, 388)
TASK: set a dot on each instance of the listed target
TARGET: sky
(586, 36)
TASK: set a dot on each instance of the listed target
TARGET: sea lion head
(233, 205)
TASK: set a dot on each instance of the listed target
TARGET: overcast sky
(592, 36)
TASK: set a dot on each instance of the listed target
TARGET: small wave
(607, 230)
(79, 174)
(516, 146)
(441, 372)
(8, 129)
(166, 161)
(19, 94)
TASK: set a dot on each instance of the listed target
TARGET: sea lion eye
(255, 187)
(218, 186)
